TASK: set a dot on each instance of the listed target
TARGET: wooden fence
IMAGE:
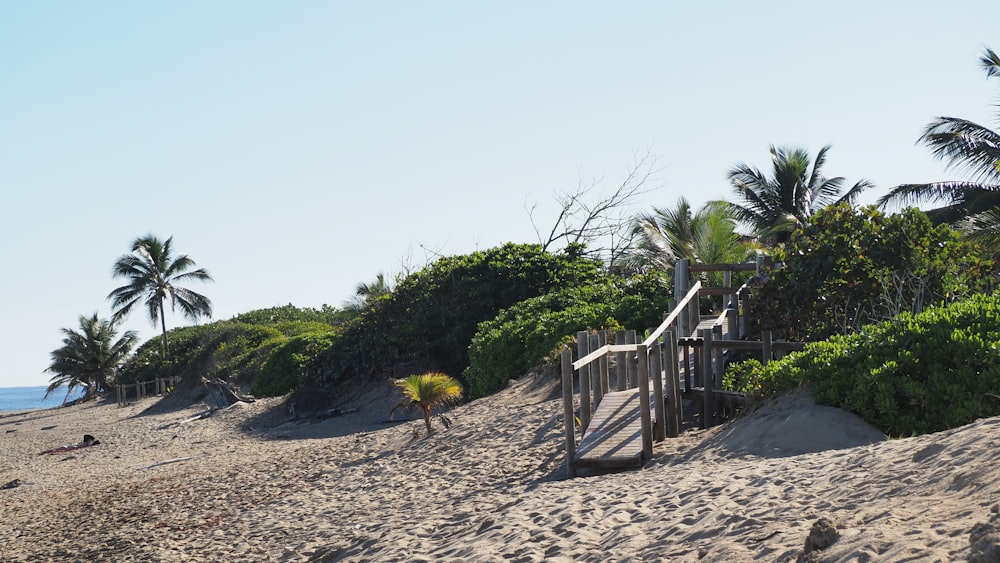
(136, 391)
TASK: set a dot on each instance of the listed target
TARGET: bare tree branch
(600, 221)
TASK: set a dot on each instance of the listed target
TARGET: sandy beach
(248, 484)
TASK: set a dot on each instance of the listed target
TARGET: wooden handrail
(672, 317)
(606, 349)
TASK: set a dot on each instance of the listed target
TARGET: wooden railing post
(718, 361)
(708, 397)
(673, 387)
(568, 418)
(642, 355)
(681, 285)
(632, 360)
(595, 371)
(620, 361)
(765, 340)
(602, 364)
(656, 369)
(582, 349)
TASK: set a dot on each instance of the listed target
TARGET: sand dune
(490, 488)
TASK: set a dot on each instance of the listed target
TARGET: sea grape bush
(286, 364)
(911, 375)
(848, 268)
(428, 320)
(232, 349)
(529, 333)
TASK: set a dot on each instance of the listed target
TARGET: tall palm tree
(773, 207)
(972, 149)
(90, 357)
(154, 274)
(708, 236)
(428, 391)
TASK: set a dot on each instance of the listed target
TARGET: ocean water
(24, 398)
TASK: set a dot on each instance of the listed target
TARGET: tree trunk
(163, 326)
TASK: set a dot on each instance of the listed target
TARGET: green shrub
(529, 333)
(912, 375)
(849, 268)
(287, 362)
(427, 321)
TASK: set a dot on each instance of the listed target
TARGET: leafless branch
(600, 220)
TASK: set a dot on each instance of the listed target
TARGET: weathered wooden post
(673, 387)
(688, 376)
(582, 349)
(595, 371)
(681, 285)
(765, 341)
(718, 361)
(642, 354)
(708, 397)
(656, 368)
(620, 369)
(568, 419)
(630, 371)
(602, 364)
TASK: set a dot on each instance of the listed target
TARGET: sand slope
(490, 488)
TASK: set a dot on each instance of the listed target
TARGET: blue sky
(296, 149)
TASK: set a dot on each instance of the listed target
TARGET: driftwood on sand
(224, 393)
(164, 462)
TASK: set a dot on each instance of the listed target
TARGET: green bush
(529, 333)
(233, 349)
(427, 321)
(912, 375)
(281, 372)
(849, 268)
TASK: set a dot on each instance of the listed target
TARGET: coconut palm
(367, 293)
(972, 149)
(154, 274)
(708, 236)
(773, 207)
(428, 391)
(89, 357)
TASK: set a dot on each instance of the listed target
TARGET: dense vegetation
(911, 375)
(236, 350)
(532, 331)
(848, 268)
(428, 321)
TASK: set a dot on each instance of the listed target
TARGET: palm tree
(773, 207)
(153, 275)
(90, 357)
(428, 391)
(708, 236)
(969, 148)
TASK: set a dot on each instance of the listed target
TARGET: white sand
(490, 488)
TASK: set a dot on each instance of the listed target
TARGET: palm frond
(991, 63)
